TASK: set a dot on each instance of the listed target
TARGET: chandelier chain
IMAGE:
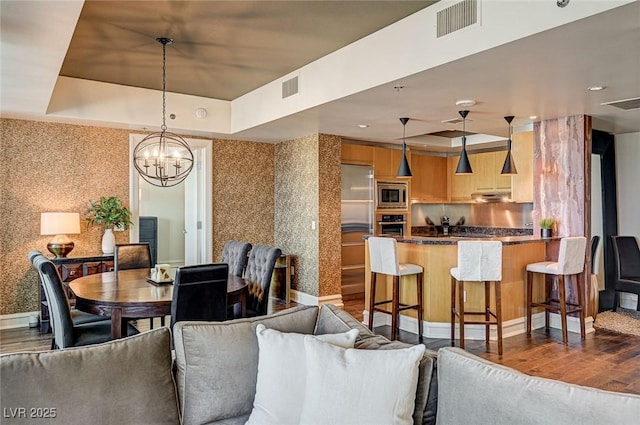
(164, 86)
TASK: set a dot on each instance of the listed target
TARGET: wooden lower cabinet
(70, 269)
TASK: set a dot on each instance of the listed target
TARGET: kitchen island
(437, 255)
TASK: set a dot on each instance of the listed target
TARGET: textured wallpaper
(296, 198)
(308, 190)
(330, 260)
(243, 186)
(52, 167)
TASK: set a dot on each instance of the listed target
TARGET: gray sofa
(212, 380)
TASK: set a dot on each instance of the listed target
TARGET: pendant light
(163, 159)
(404, 170)
(464, 166)
(509, 166)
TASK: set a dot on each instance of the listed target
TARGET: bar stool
(478, 261)
(570, 263)
(383, 259)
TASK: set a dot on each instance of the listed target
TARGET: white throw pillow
(351, 386)
(282, 371)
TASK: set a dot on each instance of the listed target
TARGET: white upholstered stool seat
(383, 259)
(408, 268)
(571, 259)
(478, 261)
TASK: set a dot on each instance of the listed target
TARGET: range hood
(487, 197)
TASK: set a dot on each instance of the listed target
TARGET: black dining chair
(262, 261)
(627, 253)
(65, 332)
(78, 317)
(200, 293)
(235, 253)
(133, 256)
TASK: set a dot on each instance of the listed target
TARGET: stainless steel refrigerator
(356, 221)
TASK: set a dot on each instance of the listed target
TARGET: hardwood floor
(605, 360)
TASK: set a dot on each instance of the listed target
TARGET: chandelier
(163, 159)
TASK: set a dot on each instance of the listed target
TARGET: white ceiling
(227, 55)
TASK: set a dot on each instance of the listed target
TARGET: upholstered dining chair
(133, 256)
(78, 317)
(66, 333)
(627, 255)
(235, 254)
(262, 261)
(200, 293)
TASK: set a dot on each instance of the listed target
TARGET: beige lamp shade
(60, 224)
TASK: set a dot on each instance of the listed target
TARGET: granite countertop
(453, 239)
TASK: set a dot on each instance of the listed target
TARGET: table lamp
(60, 224)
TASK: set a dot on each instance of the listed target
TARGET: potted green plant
(108, 212)
(546, 227)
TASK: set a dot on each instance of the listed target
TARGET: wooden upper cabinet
(386, 162)
(429, 182)
(357, 154)
(522, 151)
(461, 186)
(487, 167)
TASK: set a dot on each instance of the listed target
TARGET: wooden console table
(71, 268)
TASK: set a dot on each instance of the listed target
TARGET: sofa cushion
(128, 381)
(474, 390)
(217, 362)
(349, 386)
(334, 320)
(282, 371)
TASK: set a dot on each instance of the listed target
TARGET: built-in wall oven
(391, 224)
(391, 195)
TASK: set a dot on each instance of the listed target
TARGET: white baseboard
(17, 320)
(306, 299)
(442, 330)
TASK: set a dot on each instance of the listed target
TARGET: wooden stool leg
(499, 314)
(487, 309)
(461, 312)
(579, 289)
(372, 298)
(395, 305)
(419, 281)
(547, 296)
(529, 300)
(563, 308)
(453, 310)
(151, 323)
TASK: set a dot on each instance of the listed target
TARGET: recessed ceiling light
(363, 125)
(533, 117)
(596, 88)
(465, 103)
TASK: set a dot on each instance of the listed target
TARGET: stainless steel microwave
(391, 195)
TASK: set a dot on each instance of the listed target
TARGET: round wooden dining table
(128, 294)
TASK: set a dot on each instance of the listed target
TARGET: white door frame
(207, 171)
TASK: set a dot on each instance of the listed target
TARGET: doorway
(184, 229)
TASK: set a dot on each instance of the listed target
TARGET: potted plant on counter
(546, 227)
(110, 213)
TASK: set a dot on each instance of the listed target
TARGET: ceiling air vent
(454, 121)
(626, 104)
(290, 87)
(458, 16)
